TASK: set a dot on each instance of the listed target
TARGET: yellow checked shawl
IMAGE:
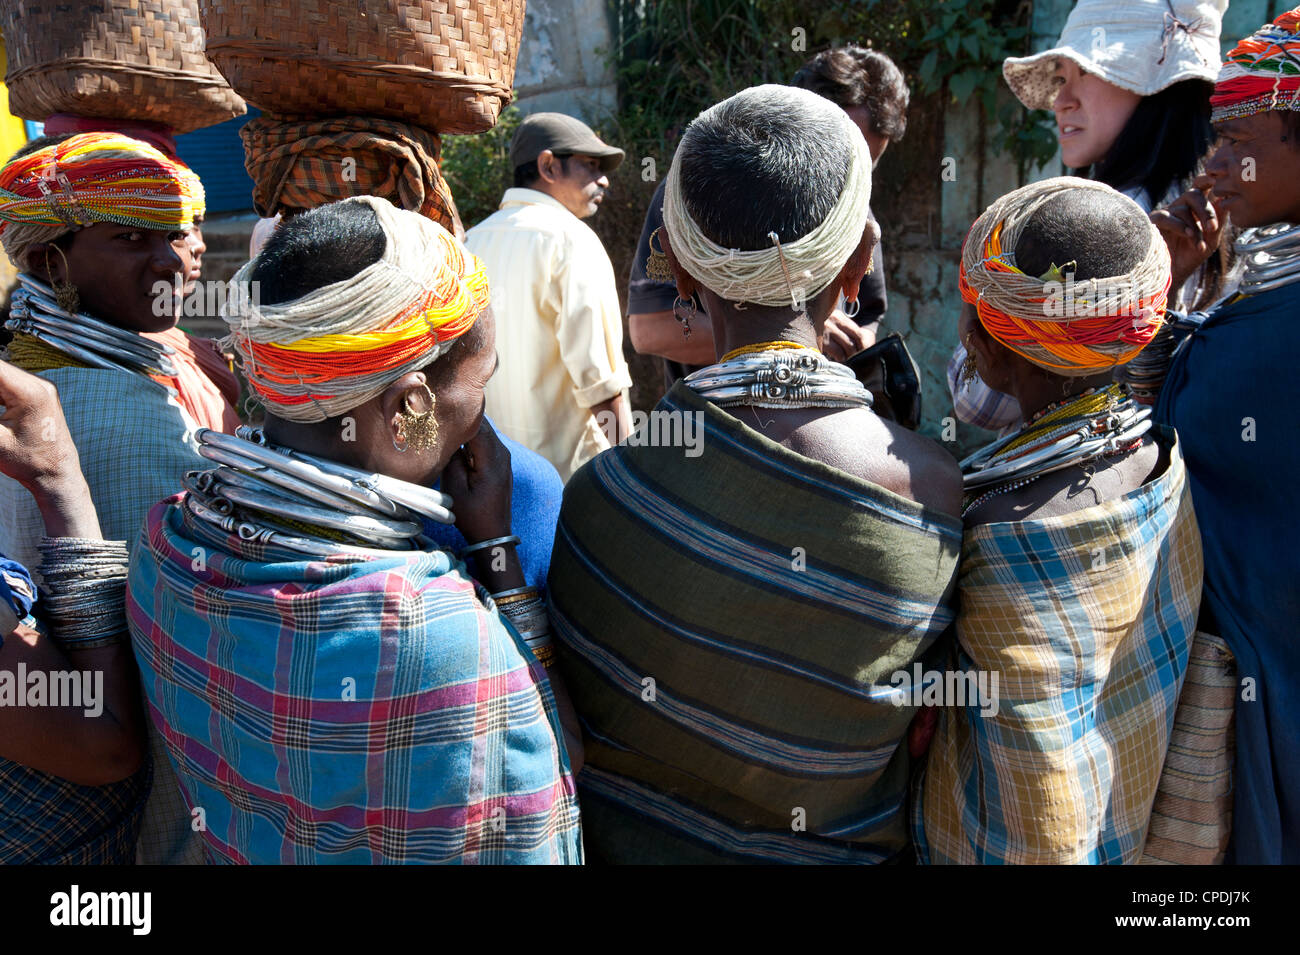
(1087, 620)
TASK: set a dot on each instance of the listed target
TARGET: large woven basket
(119, 59)
(444, 65)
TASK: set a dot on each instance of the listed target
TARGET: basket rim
(392, 72)
(89, 65)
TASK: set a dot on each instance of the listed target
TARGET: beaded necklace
(779, 345)
(1082, 405)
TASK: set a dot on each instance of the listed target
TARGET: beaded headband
(1261, 73)
(337, 347)
(1073, 329)
(100, 177)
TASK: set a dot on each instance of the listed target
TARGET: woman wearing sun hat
(1129, 84)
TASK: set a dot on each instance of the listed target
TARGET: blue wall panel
(217, 155)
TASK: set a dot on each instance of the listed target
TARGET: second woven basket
(445, 65)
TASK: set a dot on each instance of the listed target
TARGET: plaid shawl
(1087, 618)
(349, 710)
(769, 598)
(305, 164)
(46, 820)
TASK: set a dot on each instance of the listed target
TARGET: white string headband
(771, 276)
(413, 264)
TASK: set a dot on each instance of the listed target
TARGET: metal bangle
(516, 590)
(494, 542)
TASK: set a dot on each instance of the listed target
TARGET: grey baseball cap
(562, 135)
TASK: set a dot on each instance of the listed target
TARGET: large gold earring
(65, 293)
(418, 428)
(656, 266)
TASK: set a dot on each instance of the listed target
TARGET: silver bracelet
(484, 545)
(84, 598)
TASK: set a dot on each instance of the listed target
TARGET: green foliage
(675, 57)
(478, 167)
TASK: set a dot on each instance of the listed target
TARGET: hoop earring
(418, 428)
(855, 305)
(65, 293)
(656, 264)
(685, 319)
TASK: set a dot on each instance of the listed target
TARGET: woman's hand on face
(1191, 227)
(479, 480)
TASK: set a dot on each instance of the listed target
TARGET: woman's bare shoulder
(883, 453)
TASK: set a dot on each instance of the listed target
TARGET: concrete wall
(563, 64)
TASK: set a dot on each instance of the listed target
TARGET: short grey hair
(770, 158)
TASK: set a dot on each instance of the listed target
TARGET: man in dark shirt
(871, 90)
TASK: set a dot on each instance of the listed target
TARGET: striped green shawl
(728, 625)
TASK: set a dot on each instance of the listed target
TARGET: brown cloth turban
(305, 163)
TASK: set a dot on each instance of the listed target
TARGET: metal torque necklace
(33, 311)
(268, 494)
(1098, 423)
(1272, 257)
(780, 377)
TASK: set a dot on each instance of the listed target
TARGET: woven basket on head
(118, 59)
(444, 65)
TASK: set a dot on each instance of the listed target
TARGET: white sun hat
(1143, 46)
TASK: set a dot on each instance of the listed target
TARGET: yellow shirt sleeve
(588, 320)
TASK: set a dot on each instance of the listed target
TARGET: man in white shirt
(559, 325)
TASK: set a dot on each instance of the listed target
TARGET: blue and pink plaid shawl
(350, 710)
